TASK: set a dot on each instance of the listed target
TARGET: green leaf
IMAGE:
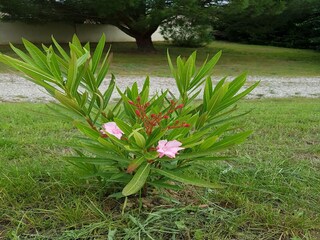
(134, 91)
(138, 180)
(208, 142)
(234, 99)
(123, 126)
(204, 70)
(178, 176)
(236, 85)
(93, 134)
(145, 90)
(98, 53)
(36, 74)
(101, 74)
(22, 55)
(60, 49)
(69, 102)
(54, 65)
(72, 73)
(230, 141)
(76, 42)
(108, 93)
(139, 139)
(154, 137)
(134, 164)
(37, 55)
(217, 98)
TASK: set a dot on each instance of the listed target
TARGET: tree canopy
(290, 23)
(137, 18)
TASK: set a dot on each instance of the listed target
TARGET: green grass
(236, 58)
(272, 189)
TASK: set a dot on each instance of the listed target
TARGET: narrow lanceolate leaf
(205, 70)
(93, 134)
(68, 102)
(22, 55)
(145, 90)
(98, 53)
(230, 141)
(137, 181)
(173, 71)
(72, 72)
(54, 65)
(38, 56)
(177, 176)
(101, 74)
(108, 93)
(134, 164)
(61, 50)
(36, 75)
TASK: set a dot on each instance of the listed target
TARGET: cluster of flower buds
(154, 119)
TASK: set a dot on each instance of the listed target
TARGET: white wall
(41, 33)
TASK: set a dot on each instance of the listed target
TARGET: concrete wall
(41, 33)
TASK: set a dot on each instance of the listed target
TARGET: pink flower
(112, 128)
(169, 149)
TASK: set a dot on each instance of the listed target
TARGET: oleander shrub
(142, 139)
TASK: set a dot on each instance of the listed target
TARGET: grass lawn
(236, 58)
(272, 190)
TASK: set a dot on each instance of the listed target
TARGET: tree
(247, 20)
(137, 18)
(289, 23)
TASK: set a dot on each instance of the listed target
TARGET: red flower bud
(179, 106)
(130, 102)
(165, 116)
(153, 115)
(138, 99)
(186, 125)
(138, 113)
(147, 104)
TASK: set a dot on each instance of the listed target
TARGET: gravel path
(14, 88)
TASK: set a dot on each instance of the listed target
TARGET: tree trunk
(145, 44)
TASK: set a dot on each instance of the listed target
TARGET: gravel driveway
(14, 88)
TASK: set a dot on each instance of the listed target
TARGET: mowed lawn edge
(236, 58)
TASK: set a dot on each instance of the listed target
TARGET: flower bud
(179, 106)
(186, 125)
(138, 113)
(131, 103)
(165, 116)
(139, 138)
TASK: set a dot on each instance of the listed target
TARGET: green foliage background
(288, 23)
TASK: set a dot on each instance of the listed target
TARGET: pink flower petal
(168, 148)
(113, 129)
(173, 143)
(162, 143)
